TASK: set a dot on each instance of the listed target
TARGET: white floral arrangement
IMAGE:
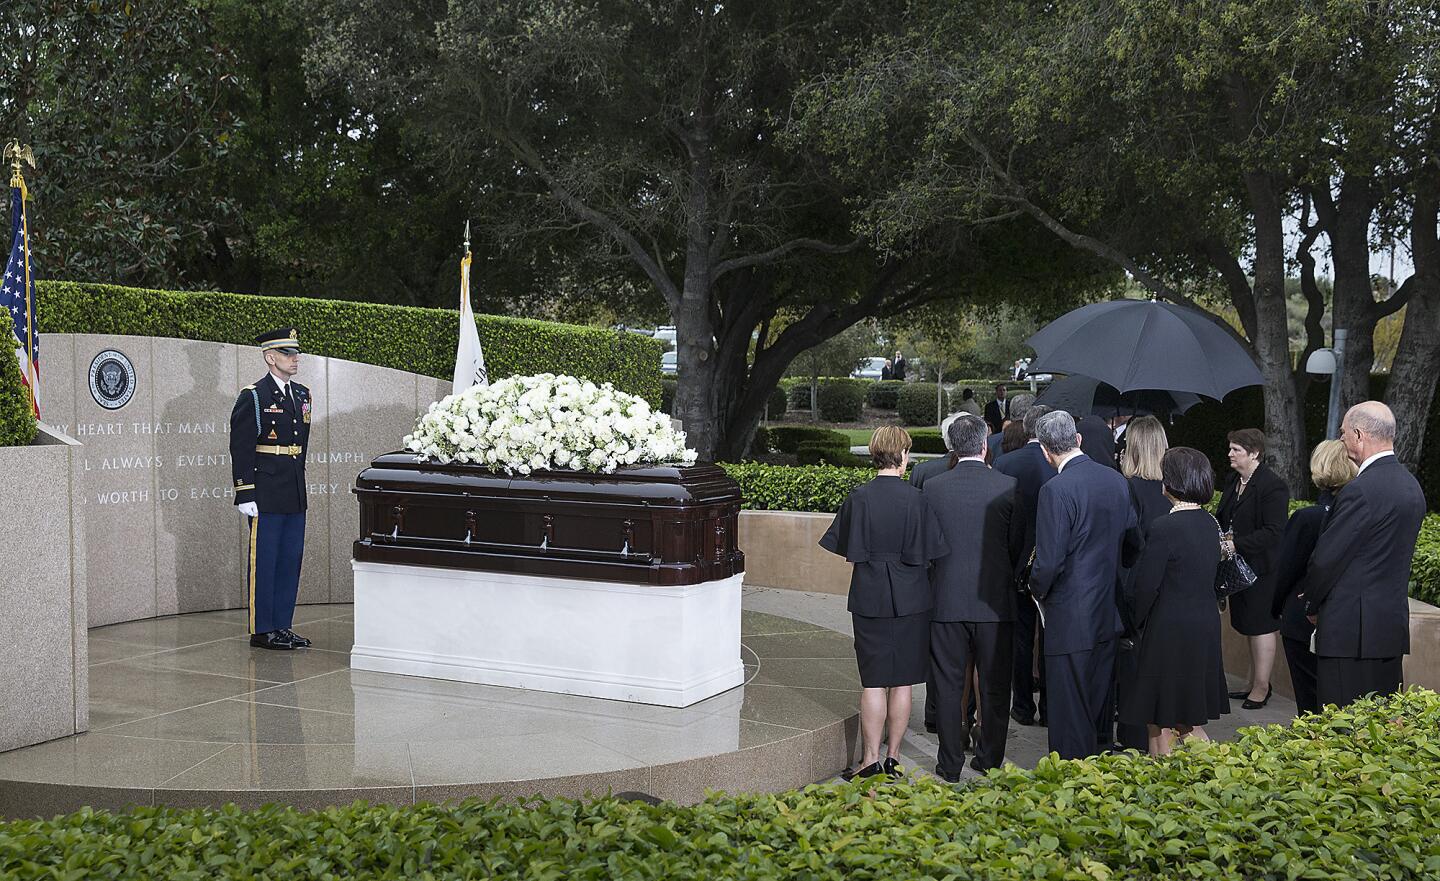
(522, 424)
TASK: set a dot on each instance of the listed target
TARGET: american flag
(17, 296)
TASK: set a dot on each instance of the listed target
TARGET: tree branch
(779, 251)
(609, 225)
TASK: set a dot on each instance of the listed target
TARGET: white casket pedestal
(671, 646)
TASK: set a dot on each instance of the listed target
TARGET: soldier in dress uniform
(269, 432)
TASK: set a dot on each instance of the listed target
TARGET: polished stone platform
(184, 712)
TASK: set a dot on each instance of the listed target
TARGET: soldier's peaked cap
(282, 339)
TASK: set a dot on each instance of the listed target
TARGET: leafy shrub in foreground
(17, 419)
(1349, 794)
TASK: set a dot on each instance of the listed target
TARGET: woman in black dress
(886, 529)
(1181, 681)
(1252, 512)
(1330, 469)
(1145, 446)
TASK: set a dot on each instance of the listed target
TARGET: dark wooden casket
(658, 525)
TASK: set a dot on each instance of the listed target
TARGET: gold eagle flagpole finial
(16, 153)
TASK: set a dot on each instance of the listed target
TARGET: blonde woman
(1330, 469)
(886, 529)
(1145, 446)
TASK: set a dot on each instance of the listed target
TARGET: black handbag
(1233, 574)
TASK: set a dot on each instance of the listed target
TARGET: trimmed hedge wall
(916, 403)
(1346, 794)
(17, 419)
(841, 401)
(403, 337)
(883, 394)
(788, 438)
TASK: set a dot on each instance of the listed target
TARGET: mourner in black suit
(886, 529)
(897, 371)
(269, 435)
(1031, 470)
(998, 410)
(1082, 524)
(923, 471)
(1356, 584)
(1097, 440)
(1330, 469)
(979, 512)
(1180, 679)
(1253, 509)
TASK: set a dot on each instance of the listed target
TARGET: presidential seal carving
(112, 379)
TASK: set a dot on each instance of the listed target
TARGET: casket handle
(719, 541)
(629, 534)
(398, 515)
(547, 531)
(469, 526)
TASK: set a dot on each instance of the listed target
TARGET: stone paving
(1025, 745)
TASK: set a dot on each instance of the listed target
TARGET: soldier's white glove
(249, 509)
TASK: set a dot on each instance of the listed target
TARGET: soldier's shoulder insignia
(247, 388)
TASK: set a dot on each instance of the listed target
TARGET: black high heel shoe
(1257, 705)
(893, 769)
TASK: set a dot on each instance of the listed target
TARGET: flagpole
(15, 152)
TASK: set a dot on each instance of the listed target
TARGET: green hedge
(17, 418)
(842, 400)
(775, 404)
(788, 438)
(819, 488)
(813, 453)
(916, 403)
(882, 395)
(403, 337)
(1346, 794)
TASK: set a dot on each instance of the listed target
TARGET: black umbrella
(1086, 394)
(1144, 344)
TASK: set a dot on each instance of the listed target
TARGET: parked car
(1022, 371)
(666, 334)
(670, 363)
(869, 368)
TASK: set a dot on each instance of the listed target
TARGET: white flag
(469, 360)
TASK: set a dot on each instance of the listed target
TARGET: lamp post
(1330, 362)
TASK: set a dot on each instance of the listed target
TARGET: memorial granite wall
(153, 480)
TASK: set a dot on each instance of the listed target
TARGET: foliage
(788, 438)
(775, 405)
(403, 337)
(927, 442)
(840, 354)
(1345, 794)
(916, 403)
(815, 488)
(667, 395)
(818, 453)
(883, 395)
(760, 444)
(17, 419)
(841, 401)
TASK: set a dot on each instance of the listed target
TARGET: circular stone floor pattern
(183, 712)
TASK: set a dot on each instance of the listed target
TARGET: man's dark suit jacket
(1097, 440)
(1357, 580)
(996, 413)
(923, 471)
(1030, 470)
(1082, 524)
(979, 511)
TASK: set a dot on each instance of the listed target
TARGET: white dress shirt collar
(1366, 464)
(980, 458)
(282, 385)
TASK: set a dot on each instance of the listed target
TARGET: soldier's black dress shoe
(296, 639)
(275, 639)
(948, 778)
